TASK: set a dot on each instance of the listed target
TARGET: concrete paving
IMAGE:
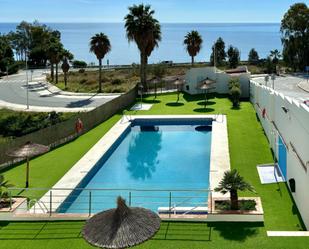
(287, 85)
(44, 97)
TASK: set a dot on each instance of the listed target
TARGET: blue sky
(179, 11)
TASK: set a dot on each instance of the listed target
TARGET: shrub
(235, 91)
(159, 70)
(82, 81)
(14, 68)
(79, 64)
(82, 70)
(116, 81)
(235, 95)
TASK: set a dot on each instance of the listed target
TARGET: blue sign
(307, 68)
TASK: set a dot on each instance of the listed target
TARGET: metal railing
(82, 201)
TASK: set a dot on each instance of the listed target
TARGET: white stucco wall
(293, 127)
(195, 75)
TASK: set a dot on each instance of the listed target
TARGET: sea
(75, 37)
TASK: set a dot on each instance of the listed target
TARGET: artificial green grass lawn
(248, 147)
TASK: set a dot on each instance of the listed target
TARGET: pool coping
(219, 157)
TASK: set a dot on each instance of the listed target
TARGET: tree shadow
(142, 166)
(236, 231)
(174, 104)
(202, 103)
(235, 107)
(151, 101)
(51, 230)
(79, 103)
(203, 110)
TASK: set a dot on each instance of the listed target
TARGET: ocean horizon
(75, 37)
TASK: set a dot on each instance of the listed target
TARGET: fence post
(50, 202)
(10, 194)
(170, 205)
(130, 199)
(210, 195)
(90, 197)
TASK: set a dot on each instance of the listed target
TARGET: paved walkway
(287, 85)
(44, 97)
(304, 85)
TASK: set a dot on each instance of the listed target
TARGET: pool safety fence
(43, 202)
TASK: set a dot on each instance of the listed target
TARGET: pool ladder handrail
(39, 203)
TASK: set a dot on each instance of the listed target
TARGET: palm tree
(65, 66)
(275, 55)
(193, 42)
(142, 28)
(232, 182)
(100, 46)
(4, 185)
(54, 54)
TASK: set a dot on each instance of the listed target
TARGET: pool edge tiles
(77, 173)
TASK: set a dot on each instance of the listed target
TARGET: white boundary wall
(195, 75)
(292, 124)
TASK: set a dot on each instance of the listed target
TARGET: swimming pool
(153, 163)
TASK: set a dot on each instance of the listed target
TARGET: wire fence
(82, 201)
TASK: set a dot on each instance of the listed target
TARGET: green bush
(82, 81)
(116, 81)
(82, 70)
(15, 124)
(235, 91)
(79, 64)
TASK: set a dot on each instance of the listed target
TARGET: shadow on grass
(201, 97)
(202, 103)
(175, 104)
(151, 101)
(203, 110)
(236, 231)
(235, 108)
(175, 231)
(54, 230)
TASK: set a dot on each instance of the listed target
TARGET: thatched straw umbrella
(121, 227)
(27, 151)
(205, 86)
(178, 83)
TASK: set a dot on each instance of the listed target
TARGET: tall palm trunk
(143, 69)
(100, 75)
(192, 61)
(52, 71)
(65, 79)
(56, 73)
(234, 200)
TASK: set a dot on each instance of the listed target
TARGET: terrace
(248, 147)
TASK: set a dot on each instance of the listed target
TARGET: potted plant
(232, 182)
(4, 194)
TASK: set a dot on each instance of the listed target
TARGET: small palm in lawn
(232, 182)
(142, 28)
(4, 185)
(100, 46)
(65, 65)
(193, 42)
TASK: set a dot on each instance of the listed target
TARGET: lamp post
(27, 85)
(266, 79)
(273, 77)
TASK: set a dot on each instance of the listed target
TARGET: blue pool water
(144, 160)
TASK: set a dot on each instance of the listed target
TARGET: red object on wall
(264, 113)
(79, 126)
